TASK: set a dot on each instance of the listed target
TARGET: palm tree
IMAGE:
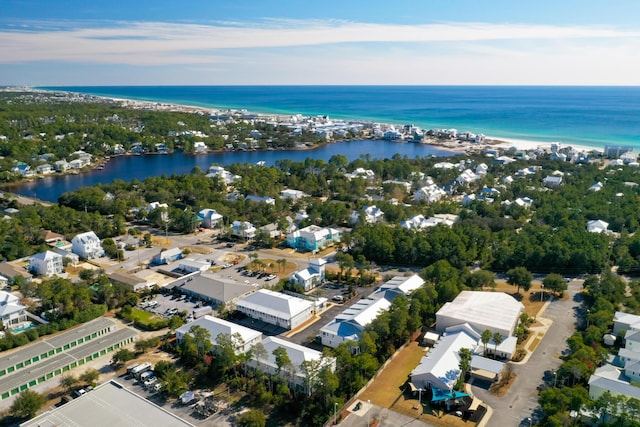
(497, 340)
(485, 338)
(282, 263)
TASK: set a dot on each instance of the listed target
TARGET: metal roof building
(108, 405)
(217, 326)
(276, 308)
(49, 361)
(495, 311)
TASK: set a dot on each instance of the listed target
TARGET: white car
(151, 381)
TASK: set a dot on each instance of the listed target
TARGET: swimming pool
(25, 326)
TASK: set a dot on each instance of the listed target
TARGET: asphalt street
(521, 401)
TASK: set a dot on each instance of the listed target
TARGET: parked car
(338, 298)
(151, 381)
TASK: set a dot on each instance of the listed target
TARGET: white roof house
(261, 199)
(370, 215)
(467, 176)
(625, 322)
(430, 193)
(496, 311)
(298, 355)
(11, 311)
(348, 325)
(276, 308)
(47, 263)
(243, 229)
(290, 194)
(311, 276)
(397, 286)
(220, 172)
(552, 181)
(596, 187)
(217, 326)
(87, 245)
(209, 217)
(440, 368)
(597, 226)
(419, 222)
(360, 173)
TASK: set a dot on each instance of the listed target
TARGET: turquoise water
(23, 328)
(590, 116)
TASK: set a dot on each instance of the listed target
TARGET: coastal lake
(128, 168)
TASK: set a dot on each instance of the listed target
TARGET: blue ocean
(588, 116)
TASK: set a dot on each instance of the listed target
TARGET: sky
(306, 42)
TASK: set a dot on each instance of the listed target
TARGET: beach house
(87, 245)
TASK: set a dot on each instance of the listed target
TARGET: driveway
(521, 401)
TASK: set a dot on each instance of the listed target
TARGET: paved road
(386, 417)
(521, 401)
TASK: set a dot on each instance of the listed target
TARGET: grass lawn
(146, 320)
(387, 389)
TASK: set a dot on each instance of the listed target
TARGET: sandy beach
(455, 146)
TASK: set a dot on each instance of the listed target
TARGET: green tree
(67, 381)
(465, 361)
(520, 277)
(90, 377)
(480, 279)
(252, 418)
(555, 283)
(27, 404)
(175, 322)
(123, 355)
(485, 338)
(497, 340)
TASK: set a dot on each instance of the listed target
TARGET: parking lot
(184, 411)
(166, 305)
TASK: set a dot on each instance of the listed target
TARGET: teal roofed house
(313, 238)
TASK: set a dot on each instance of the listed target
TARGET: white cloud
(334, 52)
(139, 42)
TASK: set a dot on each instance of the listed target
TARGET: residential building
(440, 367)
(135, 283)
(311, 276)
(399, 285)
(224, 175)
(243, 229)
(166, 256)
(299, 357)
(429, 193)
(366, 174)
(370, 215)
(209, 218)
(47, 264)
(11, 311)
(10, 272)
(597, 226)
(215, 326)
(313, 238)
(276, 308)
(466, 177)
(552, 181)
(292, 195)
(87, 245)
(261, 199)
(349, 325)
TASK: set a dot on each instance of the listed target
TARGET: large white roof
(217, 326)
(489, 308)
(275, 303)
(297, 353)
(441, 366)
